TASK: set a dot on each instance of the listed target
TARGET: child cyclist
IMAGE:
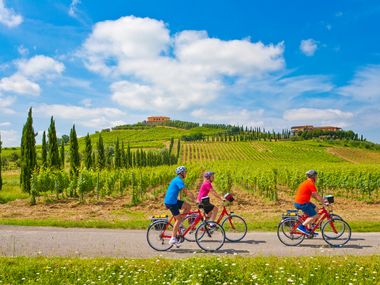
(173, 204)
(203, 198)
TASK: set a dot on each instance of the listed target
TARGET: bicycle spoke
(235, 228)
(336, 232)
(287, 233)
(210, 236)
(158, 235)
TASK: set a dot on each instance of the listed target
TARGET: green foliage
(318, 270)
(1, 164)
(101, 163)
(28, 154)
(74, 153)
(62, 154)
(88, 163)
(44, 150)
(117, 154)
(53, 160)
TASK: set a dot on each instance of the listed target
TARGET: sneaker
(174, 241)
(301, 228)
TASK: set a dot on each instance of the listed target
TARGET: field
(211, 270)
(263, 175)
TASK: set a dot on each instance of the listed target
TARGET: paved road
(48, 241)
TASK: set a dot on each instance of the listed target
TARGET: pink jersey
(205, 189)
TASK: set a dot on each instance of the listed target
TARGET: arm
(319, 197)
(190, 194)
(213, 192)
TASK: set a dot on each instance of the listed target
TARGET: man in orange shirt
(304, 193)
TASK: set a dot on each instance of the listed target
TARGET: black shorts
(174, 208)
(207, 206)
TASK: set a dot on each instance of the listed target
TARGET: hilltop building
(299, 129)
(157, 119)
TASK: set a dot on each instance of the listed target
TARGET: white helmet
(180, 169)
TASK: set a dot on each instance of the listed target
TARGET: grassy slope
(204, 270)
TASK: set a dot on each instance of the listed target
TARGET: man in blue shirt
(173, 204)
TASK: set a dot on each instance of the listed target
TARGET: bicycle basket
(228, 197)
(330, 198)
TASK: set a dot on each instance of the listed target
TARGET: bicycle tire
(337, 241)
(284, 227)
(206, 232)
(153, 235)
(233, 236)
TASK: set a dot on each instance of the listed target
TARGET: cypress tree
(117, 154)
(74, 153)
(28, 154)
(178, 148)
(129, 156)
(88, 152)
(44, 150)
(101, 153)
(53, 154)
(1, 165)
(62, 155)
(123, 156)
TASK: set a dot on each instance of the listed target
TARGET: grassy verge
(211, 270)
(142, 223)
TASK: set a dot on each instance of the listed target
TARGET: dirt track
(47, 241)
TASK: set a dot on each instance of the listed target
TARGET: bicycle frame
(323, 215)
(198, 218)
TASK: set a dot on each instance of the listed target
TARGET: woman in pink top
(203, 198)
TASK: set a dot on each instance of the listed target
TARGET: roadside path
(78, 242)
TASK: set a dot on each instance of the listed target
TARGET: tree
(178, 148)
(88, 152)
(123, 156)
(53, 154)
(1, 165)
(44, 150)
(129, 156)
(62, 155)
(117, 154)
(101, 153)
(28, 154)
(74, 153)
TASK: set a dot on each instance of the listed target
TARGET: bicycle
(209, 236)
(335, 231)
(235, 227)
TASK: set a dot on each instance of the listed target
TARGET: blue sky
(272, 64)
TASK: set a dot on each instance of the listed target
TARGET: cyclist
(306, 190)
(173, 204)
(204, 200)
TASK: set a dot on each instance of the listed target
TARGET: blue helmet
(180, 169)
(311, 173)
(208, 174)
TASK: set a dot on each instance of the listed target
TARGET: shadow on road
(351, 246)
(247, 241)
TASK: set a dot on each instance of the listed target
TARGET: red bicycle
(208, 235)
(335, 231)
(234, 226)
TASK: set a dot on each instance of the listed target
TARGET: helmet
(311, 173)
(180, 169)
(208, 174)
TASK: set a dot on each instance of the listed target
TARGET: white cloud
(40, 66)
(20, 85)
(308, 47)
(29, 71)
(6, 104)
(154, 71)
(317, 115)
(73, 8)
(5, 124)
(9, 138)
(22, 50)
(87, 102)
(88, 117)
(365, 86)
(8, 17)
(231, 116)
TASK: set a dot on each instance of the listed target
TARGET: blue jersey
(175, 186)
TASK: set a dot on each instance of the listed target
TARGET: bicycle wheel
(336, 232)
(287, 233)
(187, 222)
(234, 227)
(158, 237)
(210, 236)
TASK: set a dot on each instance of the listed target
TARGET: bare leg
(213, 213)
(179, 218)
(310, 220)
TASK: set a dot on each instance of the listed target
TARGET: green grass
(207, 270)
(11, 187)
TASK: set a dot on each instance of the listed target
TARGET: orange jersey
(304, 191)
